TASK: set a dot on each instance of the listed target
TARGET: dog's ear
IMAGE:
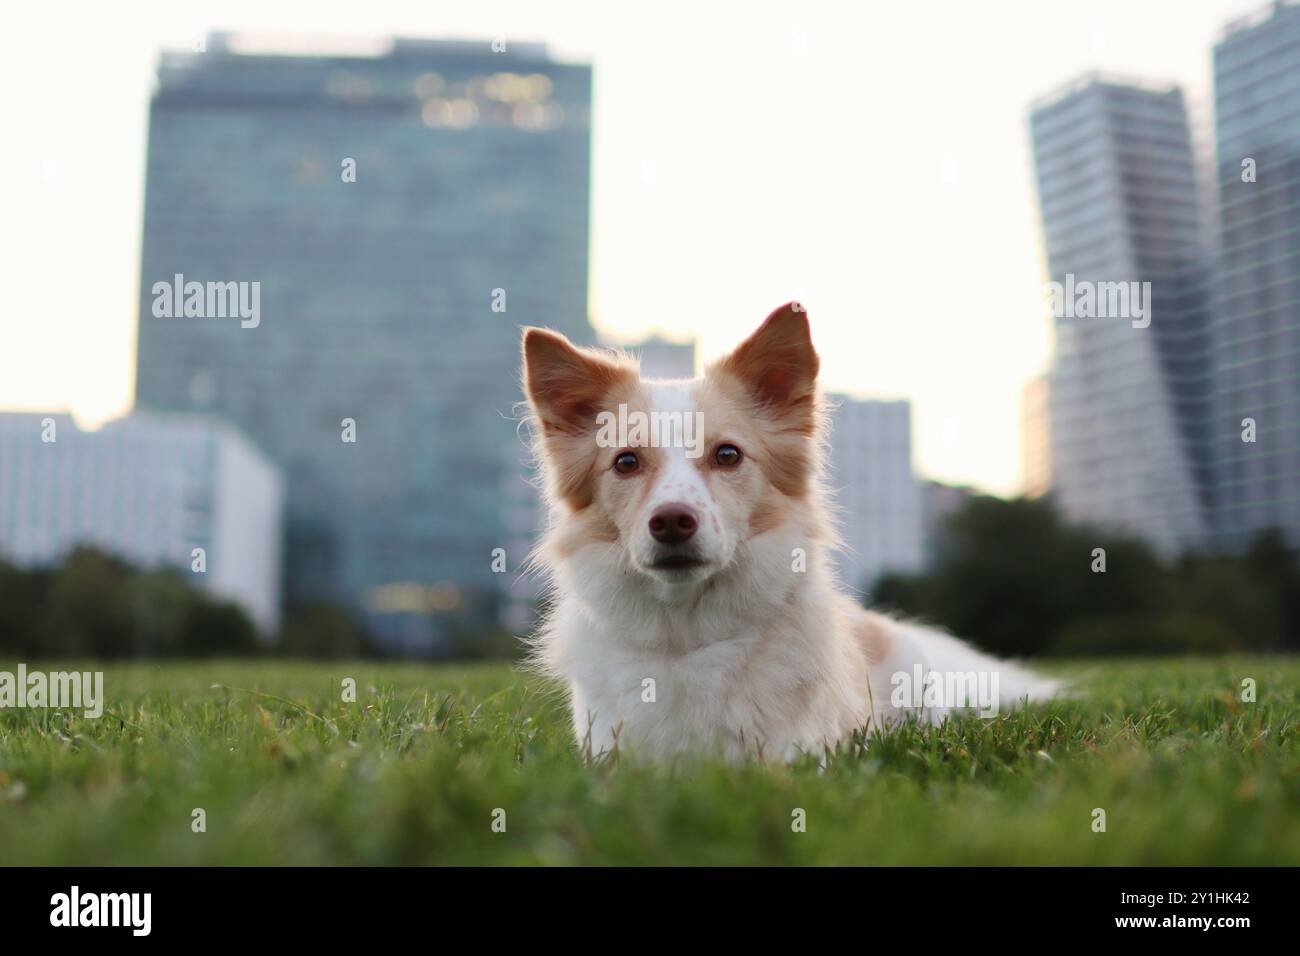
(566, 385)
(778, 365)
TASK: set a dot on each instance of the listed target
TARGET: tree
(1011, 575)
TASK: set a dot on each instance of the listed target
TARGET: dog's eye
(626, 463)
(727, 455)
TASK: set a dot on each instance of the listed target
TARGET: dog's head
(681, 475)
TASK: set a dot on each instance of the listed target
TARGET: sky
(870, 160)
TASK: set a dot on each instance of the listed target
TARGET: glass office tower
(1129, 405)
(395, 217)
(1257, 310)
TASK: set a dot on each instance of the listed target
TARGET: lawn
(417, 770)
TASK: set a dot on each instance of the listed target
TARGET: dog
(693, 608)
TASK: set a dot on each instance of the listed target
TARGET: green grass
(411, 774)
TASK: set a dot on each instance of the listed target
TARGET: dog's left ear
(779, 365)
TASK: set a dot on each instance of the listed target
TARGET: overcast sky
(868, 159)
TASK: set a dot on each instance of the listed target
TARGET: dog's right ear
(567, 385)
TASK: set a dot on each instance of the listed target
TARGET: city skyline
(885, 331)
(1177, 418)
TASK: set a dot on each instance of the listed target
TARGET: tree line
(1010, 576)
(96, 605)
(1016, 579)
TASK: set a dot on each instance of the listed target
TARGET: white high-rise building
(877, 493)
(938, 502)
(149, 489)
(663, 358)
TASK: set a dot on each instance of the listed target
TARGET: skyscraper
(1256, 328)
(392, 219)
(876, 491)
(1129, 385)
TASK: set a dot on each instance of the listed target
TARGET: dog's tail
(956, 677)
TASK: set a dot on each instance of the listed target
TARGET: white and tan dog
(693, 605)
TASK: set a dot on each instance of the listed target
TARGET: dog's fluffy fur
(752, 648)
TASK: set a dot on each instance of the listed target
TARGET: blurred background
(265, 284)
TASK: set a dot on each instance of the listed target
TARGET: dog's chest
(733, 697)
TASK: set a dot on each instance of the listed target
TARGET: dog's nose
(673, 524)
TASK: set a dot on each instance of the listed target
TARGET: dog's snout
(673, 524)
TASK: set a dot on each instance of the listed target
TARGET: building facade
(663, 358)
(938, 502)
(150, 489)
(875, 488)
(1129, 385)
(395, 218)
(1256, 329)
(1036, 438)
